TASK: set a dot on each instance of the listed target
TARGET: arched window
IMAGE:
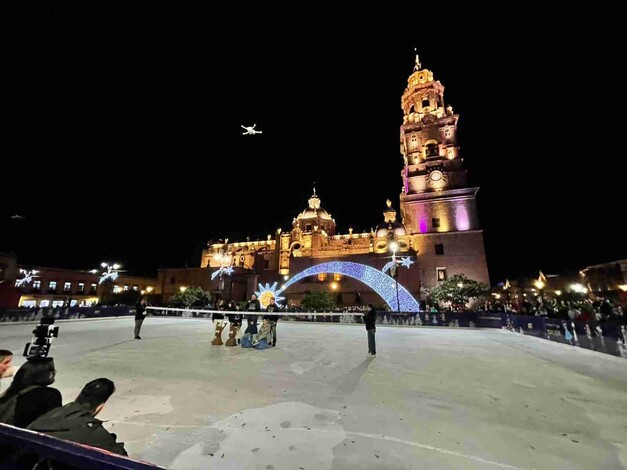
(432, 150)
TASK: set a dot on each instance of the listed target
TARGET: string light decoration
(28, 277)
(406, 261)
(110, 273)
(378, 281)
(228, 270)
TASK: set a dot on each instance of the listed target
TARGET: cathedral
(437, 228)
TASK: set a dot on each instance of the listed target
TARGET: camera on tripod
(42, 338)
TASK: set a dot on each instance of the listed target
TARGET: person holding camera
(29, 395)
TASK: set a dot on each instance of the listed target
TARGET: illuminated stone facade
(439, 226)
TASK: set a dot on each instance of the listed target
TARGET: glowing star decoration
(110, 274)
(406, 261)
(27, 279)
(266, 292)
(250, 130)
(378, 281)
(228, 270)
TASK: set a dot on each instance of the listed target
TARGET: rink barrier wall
(59, 451)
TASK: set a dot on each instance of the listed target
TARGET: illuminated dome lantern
(390, 230)
(390, 227)
(315, 218)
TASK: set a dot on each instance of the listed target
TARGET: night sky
(122, 138)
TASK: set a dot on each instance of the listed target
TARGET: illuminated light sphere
(381, 283)
(265, 293)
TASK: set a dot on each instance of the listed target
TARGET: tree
(458, 290)
(317, 301)
(190, 297)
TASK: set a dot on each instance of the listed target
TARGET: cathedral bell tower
(436, 196)
(438, 208)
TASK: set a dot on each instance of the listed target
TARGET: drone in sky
(250, 130)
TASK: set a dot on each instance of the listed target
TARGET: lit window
(135, 287)
(37, 285)
(441, 274)
(322, 277)
(81, 287)
(67, 287)
(125, 288)
(52, 285)
(94, 287)
(117, 289)
(337, 276)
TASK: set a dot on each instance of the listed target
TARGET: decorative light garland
(381, 283)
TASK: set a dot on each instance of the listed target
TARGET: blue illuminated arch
(378, 281)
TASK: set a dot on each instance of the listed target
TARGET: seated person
(251, 326)
(260, 340)
(77, 421)
(251, 329)
(28, 397)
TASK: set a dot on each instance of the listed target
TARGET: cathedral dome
(390, 227)
(395, 228)
(314, 210)
(310, 213)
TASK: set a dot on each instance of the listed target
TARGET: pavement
(436, 398)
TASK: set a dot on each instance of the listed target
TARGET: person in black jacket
(273, 316)
(140, 314)
(28, 397)
(77, 421)
(369, 320)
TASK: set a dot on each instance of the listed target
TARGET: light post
(394, 270)
(540, 285)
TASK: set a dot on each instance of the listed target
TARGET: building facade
(438, 227)
(56, 287)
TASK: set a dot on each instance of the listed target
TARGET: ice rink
(433, 398)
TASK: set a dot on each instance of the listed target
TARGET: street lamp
(394, 272)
